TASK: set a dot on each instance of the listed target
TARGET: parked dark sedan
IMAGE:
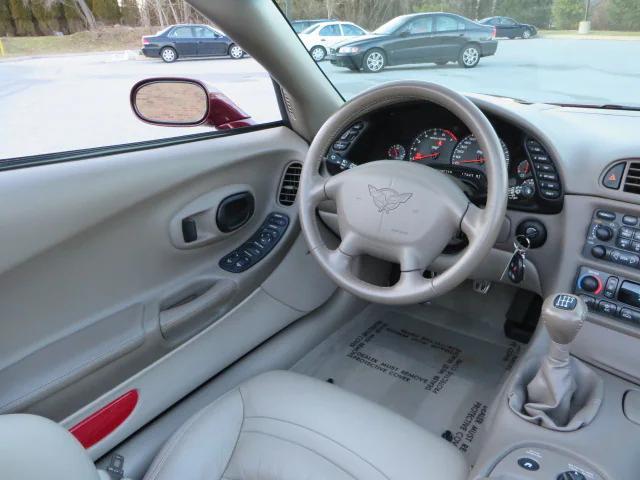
(508, 27)
(189, 41)
(418, 38)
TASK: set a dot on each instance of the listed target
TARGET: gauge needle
(479, 160)
(422, 156)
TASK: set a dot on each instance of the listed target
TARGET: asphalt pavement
(60, 103)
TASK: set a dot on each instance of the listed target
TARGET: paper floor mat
(442, 380)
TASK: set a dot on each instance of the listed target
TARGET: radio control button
(625, 232)
(606, 215)
(599, 251)
(605, 233)
(624, 243)
(630, 220)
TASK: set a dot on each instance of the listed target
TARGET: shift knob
(563, 315)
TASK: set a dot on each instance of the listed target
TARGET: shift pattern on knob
(563, 323)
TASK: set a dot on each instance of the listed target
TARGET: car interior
(418, 283)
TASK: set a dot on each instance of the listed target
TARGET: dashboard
(432, 136)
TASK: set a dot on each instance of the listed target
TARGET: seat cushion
(286, 426)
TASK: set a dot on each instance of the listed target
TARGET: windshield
(389, 27)
(311, 29)
(532, 51)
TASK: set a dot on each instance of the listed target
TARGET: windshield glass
(532, 50)
(311, 29)
(389, 27)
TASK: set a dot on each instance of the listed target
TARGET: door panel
(92, 287)
(415, 44)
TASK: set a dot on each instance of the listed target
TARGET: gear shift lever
(564, 394)
(563, 316)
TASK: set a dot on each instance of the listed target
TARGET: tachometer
(468, 154)
(433, 146)
(396, 152)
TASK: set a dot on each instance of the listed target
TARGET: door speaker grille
(289, 184)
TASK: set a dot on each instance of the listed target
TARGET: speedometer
(433, 146)
(468, 154)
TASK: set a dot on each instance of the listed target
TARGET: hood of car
(364, 39)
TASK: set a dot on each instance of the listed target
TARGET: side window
(446, 24)
(85, 101)
(330, 31)
(204, 32)
(351, 30)
(508, 22)
(420, 26)
(181, 32)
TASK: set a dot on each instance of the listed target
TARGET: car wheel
(318, 53)
(526, 34)
(374, 61)
(469, 56)
(236, 52)
(168, 54)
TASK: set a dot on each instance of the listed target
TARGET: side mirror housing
(182, 102)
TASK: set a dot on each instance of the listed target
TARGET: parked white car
(318, 38)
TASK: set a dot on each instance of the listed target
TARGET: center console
(612, 237)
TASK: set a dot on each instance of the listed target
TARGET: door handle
(195, 311)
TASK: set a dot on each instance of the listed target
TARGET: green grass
(101, 40)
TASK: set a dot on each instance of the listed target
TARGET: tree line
(559, 14)
(47, 17)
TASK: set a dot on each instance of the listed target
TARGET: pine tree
(72, 19)
(130, 13)
(567, 13)
(624, 14)
(22, 18)
(534, 12)
(106, 12)
(48, 18)
(7, 29)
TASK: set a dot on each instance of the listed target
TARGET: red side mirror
(182, 102)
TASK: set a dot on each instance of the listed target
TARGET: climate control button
(592, 284)
(598, 251)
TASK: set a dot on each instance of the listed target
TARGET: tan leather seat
(285, 426)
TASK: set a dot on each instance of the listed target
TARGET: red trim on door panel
(100, 424)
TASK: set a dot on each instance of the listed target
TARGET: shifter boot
(551, 392)
(563, 394)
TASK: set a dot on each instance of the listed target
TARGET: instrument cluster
(432, 136)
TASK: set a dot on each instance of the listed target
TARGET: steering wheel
(402, 212)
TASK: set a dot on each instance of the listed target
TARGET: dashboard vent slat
(289, 184)
(632, 180)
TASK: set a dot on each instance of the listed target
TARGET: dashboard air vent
(632, 181)
(289, 184)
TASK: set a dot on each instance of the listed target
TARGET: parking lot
(59, 103)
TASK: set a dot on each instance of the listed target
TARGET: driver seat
(285, 426)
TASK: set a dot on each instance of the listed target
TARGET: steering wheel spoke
(472, 221)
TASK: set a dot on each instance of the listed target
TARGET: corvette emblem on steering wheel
(387, 199)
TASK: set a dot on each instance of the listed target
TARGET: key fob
(516, 268)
